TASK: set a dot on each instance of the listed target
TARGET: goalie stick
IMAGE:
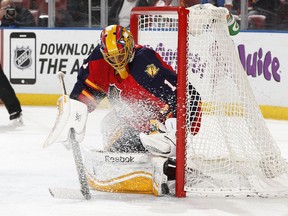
(84, 187)
(84, 191)
(60, 76)
(66, 193)
(55, 132)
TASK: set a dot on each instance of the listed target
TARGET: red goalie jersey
(148, 90)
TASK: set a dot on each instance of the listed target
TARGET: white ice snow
(27, 171)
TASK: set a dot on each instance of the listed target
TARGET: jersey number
(173, 88)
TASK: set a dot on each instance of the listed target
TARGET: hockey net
(234, 153)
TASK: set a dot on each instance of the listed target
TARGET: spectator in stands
(120, 11)
(162, 3)
(10, 100)
(75, 14)
(283, 13)
(268, 9)
(190, 3)
(15, 16)
(235, 9)
(217, 3)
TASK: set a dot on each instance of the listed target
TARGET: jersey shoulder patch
(151, 70)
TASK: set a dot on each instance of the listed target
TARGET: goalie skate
(163, 176)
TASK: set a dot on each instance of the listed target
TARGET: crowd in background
(262, 14)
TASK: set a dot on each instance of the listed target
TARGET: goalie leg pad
(130, 172)
(118, 172)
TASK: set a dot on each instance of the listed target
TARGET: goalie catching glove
(71, 114)
(162, 139)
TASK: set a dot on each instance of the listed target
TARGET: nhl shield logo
(22, 57)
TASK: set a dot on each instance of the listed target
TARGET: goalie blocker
(71, 114)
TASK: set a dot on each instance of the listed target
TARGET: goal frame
(181, 82)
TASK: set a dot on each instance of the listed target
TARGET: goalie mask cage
(233, 153)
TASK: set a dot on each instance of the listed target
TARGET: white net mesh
(233, 153)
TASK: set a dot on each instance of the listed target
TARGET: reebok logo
(119, 159)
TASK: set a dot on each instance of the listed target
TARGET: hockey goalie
(139, 133)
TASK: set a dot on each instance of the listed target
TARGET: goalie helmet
(117, 46)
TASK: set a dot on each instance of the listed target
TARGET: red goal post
(181, 79)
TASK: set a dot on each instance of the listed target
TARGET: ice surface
(27, 171)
